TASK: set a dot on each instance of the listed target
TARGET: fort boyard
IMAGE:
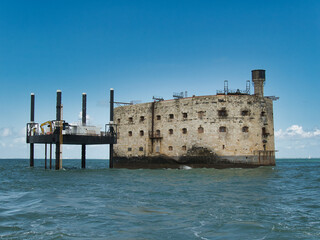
(229, 129)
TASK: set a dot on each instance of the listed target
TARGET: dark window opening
(140, 149)
(130, 119)
(119, 120)
(171, 116)
(158, 117)
(170, 148)
(184, 130)
(158, 133)
(184, 115)
(245, 113)
(263, 114)
(141, 118)
(200, 130)
(264, 147)
(184, 148)
(141, 133)
(222, 113)
(170, 131)
(129, 149)
(222, 129)
(223, 147)
(245, 129)
(130, 133)
(264, 132)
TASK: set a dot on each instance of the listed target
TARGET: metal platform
(104, 138)
(61, 133)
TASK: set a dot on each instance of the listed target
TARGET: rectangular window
(245, 129)
(245, 113)
(222, 113)
(140, 149)
(184, 115)
(171, 116)
(222, 129)
(129, 149)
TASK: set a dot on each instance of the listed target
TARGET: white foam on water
(186, 167)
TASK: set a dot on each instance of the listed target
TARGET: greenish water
(279, 202)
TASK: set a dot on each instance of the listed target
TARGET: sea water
(281, 202)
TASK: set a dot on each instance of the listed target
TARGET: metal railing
(265, 156)
(110, 129)
(155, 135)
(233, 92)
(33, 129)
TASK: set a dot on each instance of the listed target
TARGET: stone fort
(229, 129)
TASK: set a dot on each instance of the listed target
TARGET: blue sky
(146, 48)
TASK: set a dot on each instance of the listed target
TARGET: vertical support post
(32, 120)
(45, 156)
(57, 132)
(50, 155)
(152, 125)
(84, 121)
(111, 128)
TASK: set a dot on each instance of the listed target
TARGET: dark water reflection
(279, 202)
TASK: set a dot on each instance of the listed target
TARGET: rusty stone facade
(228, 130)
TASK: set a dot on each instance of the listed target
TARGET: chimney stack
(258, 79)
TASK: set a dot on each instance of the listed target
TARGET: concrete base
(162, 161)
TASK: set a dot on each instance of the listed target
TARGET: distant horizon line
(283, 158)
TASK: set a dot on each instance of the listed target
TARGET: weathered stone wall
(229, 126)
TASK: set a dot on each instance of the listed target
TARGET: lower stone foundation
(162, 161)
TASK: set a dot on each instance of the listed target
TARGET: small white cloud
(296, 131)
(278, 134)
(22, 132)
(19, 140)
(5, 132)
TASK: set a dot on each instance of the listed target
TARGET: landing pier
(58, 132)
